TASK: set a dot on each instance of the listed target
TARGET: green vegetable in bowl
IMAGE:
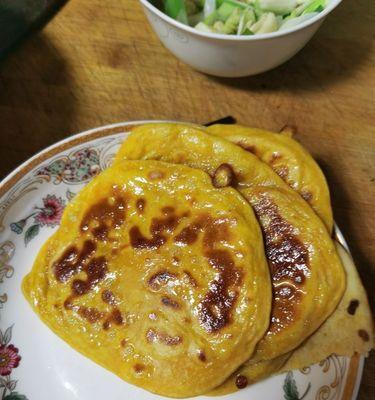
(241, 17)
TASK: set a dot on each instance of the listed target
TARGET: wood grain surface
(99, 62)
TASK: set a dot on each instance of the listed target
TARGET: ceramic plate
(34, 363)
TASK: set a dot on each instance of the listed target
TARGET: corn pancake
(157, 276)
(308, 278)
(291, 161)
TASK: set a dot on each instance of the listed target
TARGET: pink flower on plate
(51, 212)
(9, 359)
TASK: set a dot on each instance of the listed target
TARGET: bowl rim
(241, 38)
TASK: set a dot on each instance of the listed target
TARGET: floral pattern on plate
(77, 167)
(49, 215)
(9, 360)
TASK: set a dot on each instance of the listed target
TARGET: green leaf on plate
(15, 396)
(12, 385)
(7, 336)
(290, 388)
(31, 233)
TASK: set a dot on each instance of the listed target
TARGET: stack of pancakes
(200, 262)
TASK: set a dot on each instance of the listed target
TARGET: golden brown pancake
(349, 330)
(308, 279)
(157, 276)
(292, 162)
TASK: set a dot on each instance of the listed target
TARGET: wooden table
(99, 62)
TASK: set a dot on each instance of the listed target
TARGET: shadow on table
(333, 54)
(37, 101)
(22, 17)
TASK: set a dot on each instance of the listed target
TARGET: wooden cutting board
(99, 62)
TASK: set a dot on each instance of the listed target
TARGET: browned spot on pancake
(306, 195)
(352, 307)
(192, 281)
(168, 223)
(96, 271)
(123, 342)
(160, 279)
(153, 336)
(168, 210)
(138, 368)
(72, 261)
(202, 356)
(104, 215)
(108, 297)
(282, 171)
(106, 325)
(114, 317)
(140, 205)
(224, 176)
(188, 235)
(175, 260)
(215, 309)
(187, 320)
(100, 232)
(215, 230)
(289, 263)
(156, 174)
(364, 335)
(248, 147)
(80, 287)
(139, 241)
(160, 226)
(68, 305)
(91, 314)
(241, 381)
(168, 302)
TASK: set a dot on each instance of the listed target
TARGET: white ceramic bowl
(232, 56)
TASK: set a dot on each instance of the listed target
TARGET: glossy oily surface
(308, 279)
(307, 275)
(288, 159)
(157, 276)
